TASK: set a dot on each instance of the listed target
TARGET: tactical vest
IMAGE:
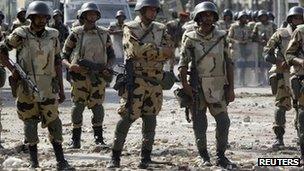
(212, 68)
(155, 36)
(91, 45)
(268, 30)
(241, 33)
(37, 57)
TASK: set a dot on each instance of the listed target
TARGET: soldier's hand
(230, 95)
(75, 68)
(15, 75)
(168, 52)
(61, 97)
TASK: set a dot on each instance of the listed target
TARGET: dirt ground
(250, 137)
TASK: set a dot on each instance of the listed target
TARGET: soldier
(211, 72)
(271, 17)
(21, 20)
(78, 21)
(294, 57)
(176, 32)
(227, 20)
(148, 45)
(4, 28)
(115, 30)
(254, 16)
(38, 52)
(262, 32)
(92, 44)
(279, 77)
(239, 37)
(58, 25)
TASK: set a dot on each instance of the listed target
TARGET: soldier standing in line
(148, 46)
(254, 16)
(239, 37)
(279, 72)
(213, 76)
(227, 20)
(78, 21)
(262, 32)
(4, 28)
(176, 32)
(294, 58)
(21, 20)
(115, 30)
(38, 52)
(90, 43)
(58, 25)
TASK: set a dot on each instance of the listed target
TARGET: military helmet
(78, 14)
(38, 8)
(227, 12)
(254, 14)
(120, 13)
(270, 15)
(235, 15)
(57, 12)
(146, 3)
(89, 6)
(20, 10)
(262, 12)
(203, 7)
(1, 15)
(297, 10)
(241, 14)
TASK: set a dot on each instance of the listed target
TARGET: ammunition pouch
(183, 99)
(296, 83)
(2, 76)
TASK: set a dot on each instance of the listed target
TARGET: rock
(13, 162)
(247, 119)
(164, 140)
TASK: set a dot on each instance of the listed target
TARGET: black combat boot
(206, 158)
(98, 135)
(115, 159)
(75, 143)
(33, 156)
(279, 143)
(145, 159)
(62, 164)
(223, 161)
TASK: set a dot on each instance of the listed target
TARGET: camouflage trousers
(219, 112)
(282, 102)
(147, 100)
(90, 93)
(31, 113)
(87, 91)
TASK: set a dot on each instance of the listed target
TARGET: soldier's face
(263, 18)
(91, 16)
(39, 21)
(58, 18)
(206, 18)
(121, 19)
(243, 20)
(151, 13)
(21, 16)
(297, 20)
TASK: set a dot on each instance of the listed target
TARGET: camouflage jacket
(277, 46)
(223, 25)
(18, 23)
(263, 32)
(295, 49)
(147, 53)
(63, 32)
(211, 68)
(175, 30)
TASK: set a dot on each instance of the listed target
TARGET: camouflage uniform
(148, 60)
(223, 25)
(88, 89)
(18, 23)
(293, 51)
(117, 40)
(63, 32)
(31, 107)
(279, 41)
(4, 28)
(239, 37)
(213, 79)
(261, 33)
